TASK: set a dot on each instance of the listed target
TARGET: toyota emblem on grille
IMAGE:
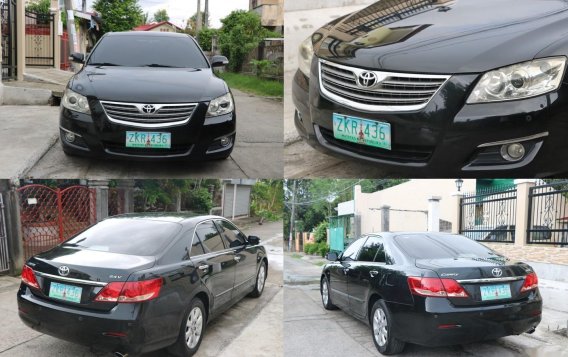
(497, 272)
(367, 79)
(148, 109)
(63, 270)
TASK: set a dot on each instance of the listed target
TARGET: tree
(119, 15)
(205, 38)
(267, 200)
(161, 15)
(241, 32)
(39, 6)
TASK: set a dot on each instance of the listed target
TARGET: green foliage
(241, 32)
(163, 195)
(322, 249)
(261, 66)
(253, 85)
(320, 233)
(119, 15)
(39, 6)
(199, 200)
(161, 15)
(267, 200)
(205, 37)
(316, 248)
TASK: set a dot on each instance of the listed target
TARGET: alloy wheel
(324, 293)
(380, 326)
(261, 278)
(193, 327)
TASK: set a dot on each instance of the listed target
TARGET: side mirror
(331, 256)
(219, 61)
(77, 57)
(254, 240)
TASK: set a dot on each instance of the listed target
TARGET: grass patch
(296, 256)
(253, 85)
(319, 264)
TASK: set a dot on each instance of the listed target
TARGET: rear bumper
(120, 330)
(471, 324)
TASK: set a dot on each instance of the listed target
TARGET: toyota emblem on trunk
(367, 79)
(148, 108)
(63, 270)
(497, 272)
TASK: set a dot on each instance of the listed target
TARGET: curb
(37, 155)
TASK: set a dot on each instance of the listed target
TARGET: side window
(351, 252)
(196, 247)
(233, 238)
(372, 251)
(210, 237)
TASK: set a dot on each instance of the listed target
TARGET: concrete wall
(296, 5)
(271, 11)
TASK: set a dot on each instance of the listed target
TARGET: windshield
(148, 51)
(126, 236)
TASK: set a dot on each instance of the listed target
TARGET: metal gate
(4, 256)
(40, 39)
(8, 40)
(50, 216)
(340, 232)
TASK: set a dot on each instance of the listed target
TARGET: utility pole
(73, 44)
(198, 20)
(206, 14)
(292, 216)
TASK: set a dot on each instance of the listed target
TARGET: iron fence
(489, 216)
(548, 213)
(8, 40)
(40, 39)
(4, 254)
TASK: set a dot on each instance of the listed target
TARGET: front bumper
(448, 137)
(436, 322)
(197, 140)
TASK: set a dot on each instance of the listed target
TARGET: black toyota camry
(138, 283)
(431, 289)
(148, 95)
(439, 87)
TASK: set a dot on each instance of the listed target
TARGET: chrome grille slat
(164, 116)
(393, 92)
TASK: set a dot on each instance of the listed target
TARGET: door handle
(237, 258)
(204, 267)
(372, 273)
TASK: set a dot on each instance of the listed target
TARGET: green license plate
(150, 140)
(65, 292)
(495, 292)
(362, 131)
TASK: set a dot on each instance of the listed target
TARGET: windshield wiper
(159, 65)
(100, 64)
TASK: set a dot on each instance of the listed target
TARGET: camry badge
(148, 109)
(497, 272)
(367, 79)
(63, 270)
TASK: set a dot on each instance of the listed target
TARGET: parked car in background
(148, 96)
(430, 289)
(138, 283)
(439, 88)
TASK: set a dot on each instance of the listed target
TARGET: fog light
(513, 152)
(69, 137)
(225, 141)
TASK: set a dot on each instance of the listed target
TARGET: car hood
(148, 85)
(461, 36)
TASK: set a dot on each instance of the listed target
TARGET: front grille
(400, 153)
(162, 115)
(391, 91)
(175, 150)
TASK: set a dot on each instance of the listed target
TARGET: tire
(191, 330)
(260, 281)
(325, 297)
(381, 327)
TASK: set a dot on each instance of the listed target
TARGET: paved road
(257, 154)
(310, 330)
(250, 322)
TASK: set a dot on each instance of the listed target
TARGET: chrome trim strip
(71, 280)
(490, 280)
(148, 125)
(510, 141)
(381, 74)
(69, 131)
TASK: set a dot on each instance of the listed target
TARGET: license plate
(362, 131)
(150, 140)
(65, 292)
(495, 292)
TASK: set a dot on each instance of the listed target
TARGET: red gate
(50, 216)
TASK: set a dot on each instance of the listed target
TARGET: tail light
(531, 282)
(436, 287)
(129, 292)
(29, 278)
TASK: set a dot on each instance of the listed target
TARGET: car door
(338, 274)
(246, 256)
(365, 272)
(217, 264)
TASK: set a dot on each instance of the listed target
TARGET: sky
(181, 10)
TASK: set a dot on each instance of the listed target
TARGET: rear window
(127, 236)
(140, 51)
(421, 246)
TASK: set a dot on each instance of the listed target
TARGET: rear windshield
(153, 51)
(126, 236)
(422, 246)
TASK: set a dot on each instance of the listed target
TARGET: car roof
(401, 233)
(173, 217)
(147, 33)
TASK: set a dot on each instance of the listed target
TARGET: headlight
(305, 55)
(75, 101)
(523, 80)
(221, 105)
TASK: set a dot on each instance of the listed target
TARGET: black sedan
(440, 88)
(137, 283)
(431, 289)
(148, 96)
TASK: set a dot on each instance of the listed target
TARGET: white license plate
(495, 292)
(362, 131)
(65, 292)
(149, 140)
